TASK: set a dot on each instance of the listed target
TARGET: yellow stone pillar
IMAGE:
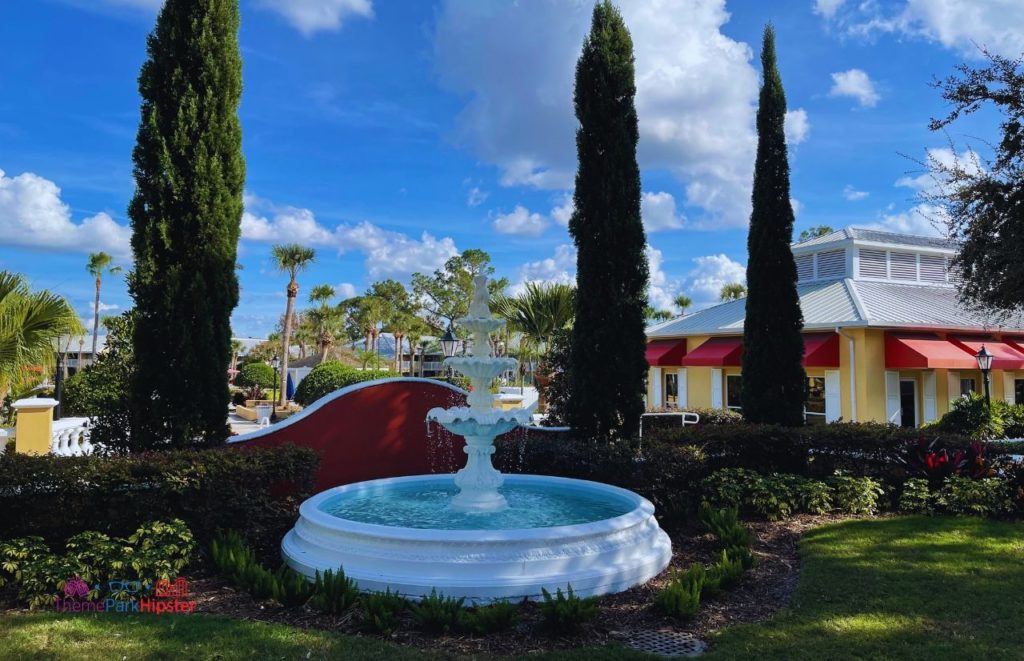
(35, 425)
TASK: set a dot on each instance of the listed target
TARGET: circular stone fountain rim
(642, 510)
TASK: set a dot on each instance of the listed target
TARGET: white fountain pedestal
(479, 481)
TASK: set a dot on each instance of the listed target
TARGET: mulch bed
(765, 589)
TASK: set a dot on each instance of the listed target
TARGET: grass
(904, 588)
(100, 636)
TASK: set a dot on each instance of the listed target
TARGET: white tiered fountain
(478, 534)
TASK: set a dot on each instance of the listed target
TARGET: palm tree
(682, 302)
(31, 324)
(325, 319)
(236, 348)
(291, 258)
(732, 292)
(99, 263)
(538, 313)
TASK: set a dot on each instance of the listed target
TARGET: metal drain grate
(666, 643)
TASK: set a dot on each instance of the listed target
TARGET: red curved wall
(375, 431)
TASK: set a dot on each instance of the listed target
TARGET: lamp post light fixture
(448, 344)
(984, 358)
(275, 363)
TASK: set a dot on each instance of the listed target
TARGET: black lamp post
(275, 362)
(984, 357)
(448, 344)
(58, 384)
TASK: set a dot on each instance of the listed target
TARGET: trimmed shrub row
(327, 377)
(57, 497)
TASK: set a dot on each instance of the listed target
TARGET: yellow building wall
(34, 431)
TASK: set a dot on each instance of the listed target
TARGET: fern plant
(436, 613)
(381, 610)
(681, 597)
(567, 611)
(334, 592)
(497, 616)
(290, 588)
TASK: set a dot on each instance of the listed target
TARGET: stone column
(34, 432)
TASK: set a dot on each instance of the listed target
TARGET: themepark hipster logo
(126, 597)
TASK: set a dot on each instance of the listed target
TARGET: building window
(966, 387)
(1018, 391)
(814, 409)
(671, 390)
(733, 386)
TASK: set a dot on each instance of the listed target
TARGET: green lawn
(905, 588)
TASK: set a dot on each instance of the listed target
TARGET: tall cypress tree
(774, 381)
(607, 368)
(186, 220)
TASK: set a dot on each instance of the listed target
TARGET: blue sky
(389, 135)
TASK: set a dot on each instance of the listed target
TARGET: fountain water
(479, 534)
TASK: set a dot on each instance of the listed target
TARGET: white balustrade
(71, 437)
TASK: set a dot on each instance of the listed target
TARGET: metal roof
(850, 303)
(877, 236)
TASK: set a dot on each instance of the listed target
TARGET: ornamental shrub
(987, 497)
(381, 610)
(916, 497)
(494, 617)
(438, 614)
(57, 497)
(327, 377)
(333, 592)
(680, 598)
(855, 495)
(157, 550)
(565, 611)
(260, 375)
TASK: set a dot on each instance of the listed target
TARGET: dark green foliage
(56, 497)
(157, 550)
(557, 390)
(238, 398)
(494, 617)
(100, 390)
(774, 381)
(333, 592)
(982, 197)
(237, 562)
(327, 377)
(724, 524)
(566, 611)
(290, 588)
(446, 294)
(186, 220)
(986, 497)
(436, 613)
(971, 416)
(381, 610)
(777, 496)
(855, 495)
(606, 395)
(915, 497)
(260, 375)
(681, 597)
(729, 570)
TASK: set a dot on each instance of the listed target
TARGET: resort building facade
(885, 336)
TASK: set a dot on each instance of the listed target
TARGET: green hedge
(255, 374)
(57, 497)
(330, 376)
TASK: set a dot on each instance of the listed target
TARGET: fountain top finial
(480, 306)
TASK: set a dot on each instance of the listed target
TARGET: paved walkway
(241, 426)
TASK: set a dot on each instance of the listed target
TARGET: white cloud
(562, 213)
(856, 84)
(387, 253)
(661, 291)
(796, 205)
(659, 212)
(310, 16)
(696, 91)
(345, 290)
(710, 273)
(920, 220)
(852, 194)
(32, 214)
(476, 197)
(797, 126)
(959, 25)
(560, 267)
(520, 221)
(827, 8)
(104, 307)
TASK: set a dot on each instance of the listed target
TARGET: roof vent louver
(805, 267)
(933, 268)
(873, 264)
(903, 265)
(832, 264)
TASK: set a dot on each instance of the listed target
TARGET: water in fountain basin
(426, 506)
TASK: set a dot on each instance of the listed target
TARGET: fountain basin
(598, 538)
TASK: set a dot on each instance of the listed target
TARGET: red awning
(665, 352)
(903, 350)
(716, 352)
(821, 350)
(1004, 356)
